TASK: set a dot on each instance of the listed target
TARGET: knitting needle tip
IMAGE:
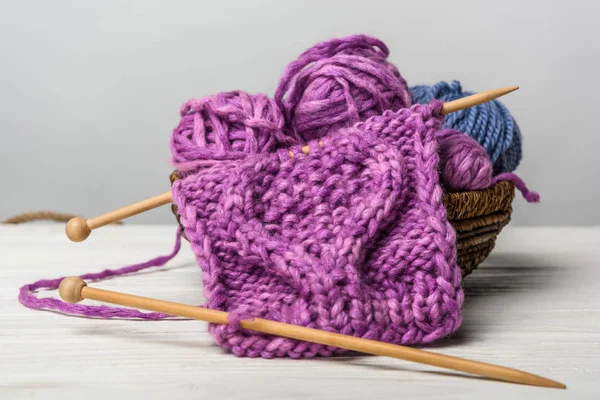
(476, 99)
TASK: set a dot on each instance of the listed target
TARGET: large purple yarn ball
(464, 163)
(226, 126)
(338, 83)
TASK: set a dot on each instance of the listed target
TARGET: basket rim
(479, 203)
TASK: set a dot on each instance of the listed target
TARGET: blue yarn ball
(490, 123)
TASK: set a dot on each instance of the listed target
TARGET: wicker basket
(477, 217)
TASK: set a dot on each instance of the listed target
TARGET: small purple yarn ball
(226, 126)
(338, 83)
(464, 163)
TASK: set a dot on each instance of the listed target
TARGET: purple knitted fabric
(351, 238)
(338, 83)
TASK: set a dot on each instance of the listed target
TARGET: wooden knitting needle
(73, 289)
(78, 229)
(476, 99)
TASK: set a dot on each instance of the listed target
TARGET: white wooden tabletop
(533, 305)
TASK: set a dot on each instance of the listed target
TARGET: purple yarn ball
(464, 163)
(226, 126)
(338, 83)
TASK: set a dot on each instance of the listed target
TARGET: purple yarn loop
(28, 293)
(529, 195)
(226, 126)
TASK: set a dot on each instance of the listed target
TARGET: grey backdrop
(90, 90)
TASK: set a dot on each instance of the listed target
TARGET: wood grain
(534, 305)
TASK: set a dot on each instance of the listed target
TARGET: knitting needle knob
(70, 289)
(77, 229)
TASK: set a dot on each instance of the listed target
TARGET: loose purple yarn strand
(27, 293)
(529, 195)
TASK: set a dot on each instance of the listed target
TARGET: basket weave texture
(477, 217)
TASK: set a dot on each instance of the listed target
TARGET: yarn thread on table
(491, 124)
(27, 293)
(338, 83)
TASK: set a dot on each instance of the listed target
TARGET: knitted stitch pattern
(351, 238)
